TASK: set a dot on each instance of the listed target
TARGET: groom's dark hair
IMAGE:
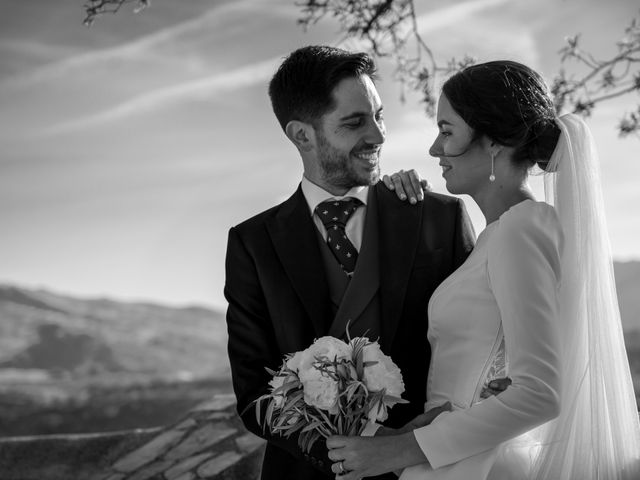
(302, 87)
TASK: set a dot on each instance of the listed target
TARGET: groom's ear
(301, 135)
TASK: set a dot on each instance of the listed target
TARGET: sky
(128, 149)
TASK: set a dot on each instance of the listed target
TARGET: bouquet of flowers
(331, 388)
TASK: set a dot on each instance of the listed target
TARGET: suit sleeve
(523, 272)
(464, 235)
(253, 346)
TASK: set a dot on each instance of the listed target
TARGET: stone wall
(209, 443)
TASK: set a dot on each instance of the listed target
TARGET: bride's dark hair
(509, 103)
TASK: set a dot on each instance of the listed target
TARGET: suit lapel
(366, 278)
(294, 238)
(399, 225)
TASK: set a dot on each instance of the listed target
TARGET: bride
(534, 302)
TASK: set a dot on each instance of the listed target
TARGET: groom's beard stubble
(338, 169)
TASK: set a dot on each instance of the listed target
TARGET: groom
(342, 249)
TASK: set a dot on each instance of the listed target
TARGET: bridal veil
(597, 435)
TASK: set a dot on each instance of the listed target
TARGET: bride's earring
(492, 177)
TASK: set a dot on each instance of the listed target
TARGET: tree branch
(389, 28)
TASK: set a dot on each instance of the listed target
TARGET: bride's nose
(436, 148)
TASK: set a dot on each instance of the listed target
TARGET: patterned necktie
(334, 215)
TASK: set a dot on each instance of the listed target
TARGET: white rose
(295, 361)
(320, 390)
(329, 347)
(382, 375)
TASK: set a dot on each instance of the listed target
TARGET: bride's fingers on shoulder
(386, 179)
(426, 186)
(415, 183)
(398, 185)
(407, 186)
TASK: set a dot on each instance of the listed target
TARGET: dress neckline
(492, 225)
(512, 207)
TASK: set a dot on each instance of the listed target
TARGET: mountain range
(80, 338)
(76, 338)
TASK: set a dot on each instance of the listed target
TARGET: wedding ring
(341, 467)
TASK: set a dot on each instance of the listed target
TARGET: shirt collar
(316, 195)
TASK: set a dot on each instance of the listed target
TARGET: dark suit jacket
(279, 302)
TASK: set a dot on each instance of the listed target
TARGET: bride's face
(466, 164)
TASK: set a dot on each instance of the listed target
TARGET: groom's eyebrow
(359, 114)
(444, 122)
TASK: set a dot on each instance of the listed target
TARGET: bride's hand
(407, 185)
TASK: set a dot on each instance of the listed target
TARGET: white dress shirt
(314, 195)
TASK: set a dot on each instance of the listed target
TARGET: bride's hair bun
(540, 145)
(509, 103)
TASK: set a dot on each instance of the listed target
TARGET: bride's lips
(445, 168)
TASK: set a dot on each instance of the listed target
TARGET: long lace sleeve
(523, 268)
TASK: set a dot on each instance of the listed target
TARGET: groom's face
(349, 138)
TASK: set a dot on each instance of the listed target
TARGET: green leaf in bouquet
(344, 371)
(287, 387)
(357, 412)
(393, 398)
(359, 368)
(327, 367)
(258, 407)
(307, 439)
(353, 389)
(378, 406)
(354, 430)
(324, 416)
(283, 420)
(268, 415)
(294, 427)
(312, 426)
(292, 400)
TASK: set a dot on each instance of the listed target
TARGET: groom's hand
(407, 185)
(427, 417)
(420, 421)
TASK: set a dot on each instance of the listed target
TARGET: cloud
(138, 48)
(447, 16)
(200, 89)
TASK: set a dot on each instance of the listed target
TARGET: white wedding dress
(535, 302)
(494, 317)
